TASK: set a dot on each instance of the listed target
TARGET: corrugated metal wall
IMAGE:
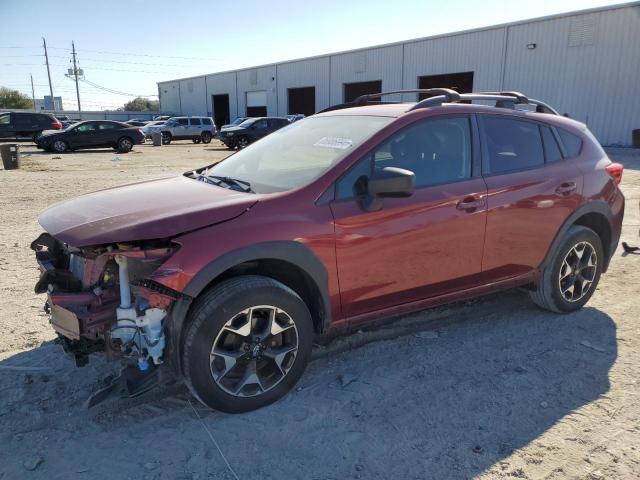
(585, 64)
(366, 65)
(254, 80)
(220, 84)
(305, 73)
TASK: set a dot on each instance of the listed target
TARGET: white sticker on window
(334, 142)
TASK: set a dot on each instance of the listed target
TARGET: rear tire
(206, 137)
(166, 138)
(125, 144)
(571, 276)
(247, 343)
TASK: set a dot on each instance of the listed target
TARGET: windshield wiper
(243, 185)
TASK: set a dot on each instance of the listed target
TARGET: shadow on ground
(480, 381)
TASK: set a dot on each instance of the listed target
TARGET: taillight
(57, 125)
(141, 132)
(615, 171)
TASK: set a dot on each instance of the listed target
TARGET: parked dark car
(251, 130)
(26, 124)
(228, 272)
(92, 134)
(235, 123)
(137, 123)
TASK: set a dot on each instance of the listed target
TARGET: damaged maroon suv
(223, 276)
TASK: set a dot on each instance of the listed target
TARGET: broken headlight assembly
(101, 298)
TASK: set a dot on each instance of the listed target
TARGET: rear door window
(107, 126)
(572, 143)
(511, 144)
(551, 149)
(195, 121)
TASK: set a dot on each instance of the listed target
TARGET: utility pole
(46, 58)
(33, 94)
(75, 73)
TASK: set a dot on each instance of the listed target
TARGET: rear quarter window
(552, 151)
(206, 121)
(572, 143)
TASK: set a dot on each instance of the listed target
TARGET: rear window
(206, 121)
(195, 121)
(512, 144)
(572, 143)
(551, 149)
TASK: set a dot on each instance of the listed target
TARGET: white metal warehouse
(584, 63)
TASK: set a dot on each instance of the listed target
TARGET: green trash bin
(10, 153)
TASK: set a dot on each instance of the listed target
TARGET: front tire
(166, 138)
(243, 141)
(248, 342)
(572, 275)
(60, 146)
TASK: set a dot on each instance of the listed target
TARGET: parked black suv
(25, 124)
(251, 130)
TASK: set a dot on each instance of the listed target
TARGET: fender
(595, 206)
(289, 251)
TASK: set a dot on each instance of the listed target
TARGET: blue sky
(129, 45)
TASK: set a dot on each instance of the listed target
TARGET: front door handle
(470, 204)
(566, 188)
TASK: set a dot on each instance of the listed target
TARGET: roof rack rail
(502, 99)
(452, 95)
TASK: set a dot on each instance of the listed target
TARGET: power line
(142, 54)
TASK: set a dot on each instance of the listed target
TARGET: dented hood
(143, 211)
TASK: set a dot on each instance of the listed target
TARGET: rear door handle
(566, 188)
(470, 203)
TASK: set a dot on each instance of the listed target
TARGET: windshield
(238, 121)
(171, 123)
(247, 123)
(299, 153)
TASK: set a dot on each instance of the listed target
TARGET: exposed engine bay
(100, 299)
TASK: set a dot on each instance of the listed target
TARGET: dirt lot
(490, 389)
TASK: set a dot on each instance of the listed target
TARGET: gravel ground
(492, 388)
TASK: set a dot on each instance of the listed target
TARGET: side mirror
(390, 182)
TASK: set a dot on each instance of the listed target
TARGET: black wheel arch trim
(289, 251)
(596, 206)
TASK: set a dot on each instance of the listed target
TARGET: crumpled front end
(101, 299)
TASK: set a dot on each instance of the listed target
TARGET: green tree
(14, 99)
(140, 104)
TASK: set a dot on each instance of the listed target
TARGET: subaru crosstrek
(225, 274)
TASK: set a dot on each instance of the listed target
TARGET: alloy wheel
(59, 146)
(578, 271)
(254, 351)
(126, 144)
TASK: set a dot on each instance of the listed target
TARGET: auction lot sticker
(334, 142)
